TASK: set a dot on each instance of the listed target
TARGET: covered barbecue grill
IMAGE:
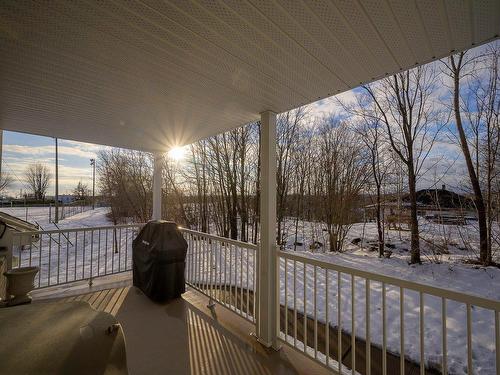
(159, 254)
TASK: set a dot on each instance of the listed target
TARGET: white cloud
(330, 105)
(85, 147)
(76, 150)
(17, 158)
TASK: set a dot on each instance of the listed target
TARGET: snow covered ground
(44, 215)
(445, 269)
(229, 266)
(78, 255)
(439, 275)
(438, 242)
(224, 267)
(87, 219)
(33, 215)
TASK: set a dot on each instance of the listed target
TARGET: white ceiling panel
(151, 74)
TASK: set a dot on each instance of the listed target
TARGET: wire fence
(44, 213)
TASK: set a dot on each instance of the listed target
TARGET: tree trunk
(333, 239)
(380, 230)
(415, 242)
(256, 218)
(478, 196)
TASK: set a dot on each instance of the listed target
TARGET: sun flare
(177, 153)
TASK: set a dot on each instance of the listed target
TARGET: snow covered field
(438, 242)
(483, 337)
(72, 254)
(444, 269)
(43, 215)
(33, 215)
(225, 266)
(87, 219)
(78, 255)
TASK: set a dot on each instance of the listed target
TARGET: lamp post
(92, 163)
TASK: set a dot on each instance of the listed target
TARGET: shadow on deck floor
(315, 332)
(185, 337)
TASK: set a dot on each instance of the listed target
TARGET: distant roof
(442, 198)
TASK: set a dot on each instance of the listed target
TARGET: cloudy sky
(19, 150)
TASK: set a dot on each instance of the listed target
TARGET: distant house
(66, 198)
(63, 198)
(437, 205)
(442, 199)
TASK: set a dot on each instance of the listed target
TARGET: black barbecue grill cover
(159, 254)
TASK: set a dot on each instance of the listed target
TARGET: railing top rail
(426, 289)
(221, 239)
(81, 229)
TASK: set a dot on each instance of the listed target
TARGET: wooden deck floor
(184, 336)
(119, 302)
(107, 300)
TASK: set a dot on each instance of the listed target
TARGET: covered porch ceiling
(151, 74)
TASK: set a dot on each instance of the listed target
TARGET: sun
(177, 153)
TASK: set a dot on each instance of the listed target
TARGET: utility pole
(92, 163)
(56, 200)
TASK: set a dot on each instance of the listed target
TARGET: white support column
(157, 177)
(267, 272)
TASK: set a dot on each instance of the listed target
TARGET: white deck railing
(221, 268)
(69, 255)
(386, 312)
(224, 270)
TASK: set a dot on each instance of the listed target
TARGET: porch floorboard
(182, 336)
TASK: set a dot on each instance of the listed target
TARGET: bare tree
(481, 108)
(5, 182)
(341, 175)
(301, 174)
(200, 172)
(81, 191)
(174, 194)
(404, 105)
(487, 102)
(455, 66)
(288, 126)
(257, 188)
(369, 127)
(125, 181)
(218, 184)
(37, 177)
(371, 135)
(223, 158)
